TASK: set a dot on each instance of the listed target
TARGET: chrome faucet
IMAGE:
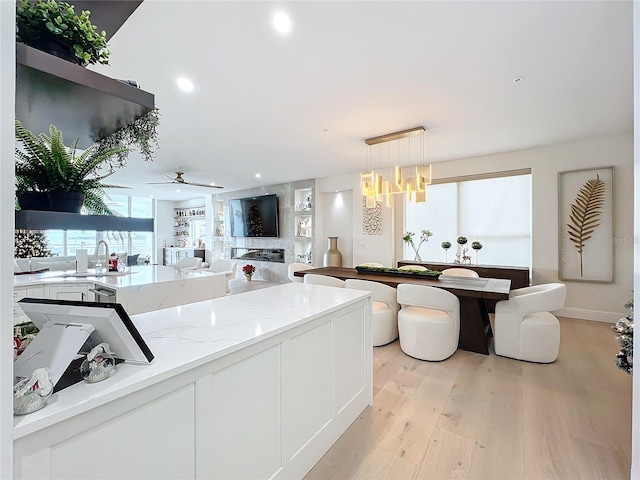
(106, 253)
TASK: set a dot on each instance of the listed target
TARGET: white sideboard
(251, 386)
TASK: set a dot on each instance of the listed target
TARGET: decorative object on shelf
(248, 271)
(624, 335)
(446, 245)
(99, 364)
(32, 394)
(404, 272)
(141, 133)
(332, 257)
(307, 203)
(71, 180)
(586, 225)
(424, 237)
(374, 185)
(220, 230)
(477, 246)
(304, 228)
(371, 218)
(461, 253)
(30, 243)
(54, 27)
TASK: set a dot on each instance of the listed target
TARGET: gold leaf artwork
(585, 214)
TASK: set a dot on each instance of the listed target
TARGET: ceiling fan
(178, 180)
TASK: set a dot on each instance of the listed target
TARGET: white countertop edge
(28, 424)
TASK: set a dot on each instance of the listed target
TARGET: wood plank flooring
(488, 417)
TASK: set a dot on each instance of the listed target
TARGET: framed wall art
(585, 212)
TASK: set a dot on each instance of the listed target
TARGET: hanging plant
(141, 134)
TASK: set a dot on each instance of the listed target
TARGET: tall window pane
(495, 212)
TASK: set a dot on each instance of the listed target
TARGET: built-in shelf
(79, 102)
(43, 220)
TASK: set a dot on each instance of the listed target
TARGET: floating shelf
(79, 102)
(42, 220)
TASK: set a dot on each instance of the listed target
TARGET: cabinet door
(70, 292)
(35, 291)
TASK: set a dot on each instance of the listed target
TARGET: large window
(66, 242)
(493, 211)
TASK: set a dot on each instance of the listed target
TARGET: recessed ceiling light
(178, 191)
(257, 175)
(213, 184)
(151, 196)
(185, 84)
(282, 23)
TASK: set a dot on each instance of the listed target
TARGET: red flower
(248, 269)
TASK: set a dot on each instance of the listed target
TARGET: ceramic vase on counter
(332, 257)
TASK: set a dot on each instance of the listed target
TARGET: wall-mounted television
(254, 216)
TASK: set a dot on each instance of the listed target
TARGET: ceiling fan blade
(202, 185)
(160, 183)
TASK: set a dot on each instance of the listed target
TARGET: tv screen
(254, 216)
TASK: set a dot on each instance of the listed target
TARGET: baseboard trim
(607, 317)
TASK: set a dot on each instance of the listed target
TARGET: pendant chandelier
(381, 184)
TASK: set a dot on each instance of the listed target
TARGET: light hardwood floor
(486, 417)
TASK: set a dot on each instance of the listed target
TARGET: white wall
(584, 300)
(163, 226)
(337, 208)
(7, 144)
(365, 248)
(635, 445)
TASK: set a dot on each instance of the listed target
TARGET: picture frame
(585, 225)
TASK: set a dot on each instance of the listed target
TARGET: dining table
(475, 326)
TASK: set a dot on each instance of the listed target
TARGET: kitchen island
(255, 385)
(138, 289)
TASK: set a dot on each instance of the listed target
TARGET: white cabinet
(79, 292)
(34, 291)
(303, 225)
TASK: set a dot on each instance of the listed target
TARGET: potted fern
(54, 27)
(70, 179)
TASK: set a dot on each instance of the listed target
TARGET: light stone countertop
(135, 276)
(185, 337)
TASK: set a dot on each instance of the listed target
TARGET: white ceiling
(300, 107)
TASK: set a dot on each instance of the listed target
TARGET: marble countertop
(133, 277)
(185, 337)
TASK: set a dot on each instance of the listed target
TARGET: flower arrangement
(249, 269)
(424, 237)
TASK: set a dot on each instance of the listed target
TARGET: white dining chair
(413, 267)
(297, 267)
(460, 272)
(428, 322)
(525, 328)
(315, 279)
(189, 263)
(223, 265)
(384, 318)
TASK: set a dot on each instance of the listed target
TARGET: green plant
(424, 237)
(46, 164)
(142, 134)
(54, 20)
